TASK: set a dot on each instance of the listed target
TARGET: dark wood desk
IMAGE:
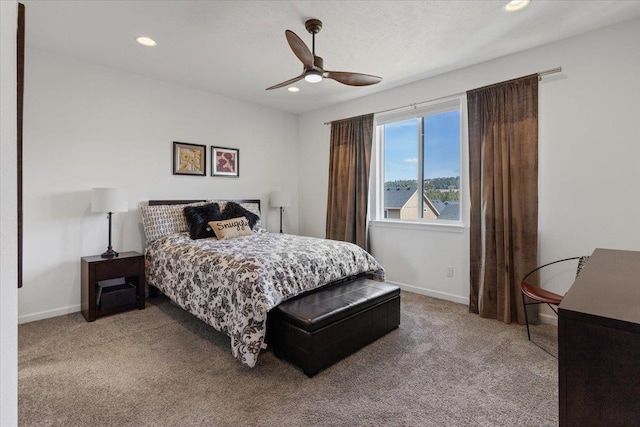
(599, 343)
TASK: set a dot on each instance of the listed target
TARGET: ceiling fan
(313, 66)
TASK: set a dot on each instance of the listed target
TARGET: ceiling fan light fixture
(515, 5)
(146, 41)
(313, 76)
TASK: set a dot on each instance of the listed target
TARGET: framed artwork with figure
(225, 161)
(189, 159)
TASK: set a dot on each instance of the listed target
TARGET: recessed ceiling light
(515, 5)
(293, 89)
(146, 41)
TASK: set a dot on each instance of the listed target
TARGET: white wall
(8, 218)
(90, 126)
(588, 158)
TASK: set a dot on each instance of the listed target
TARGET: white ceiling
(238, 48)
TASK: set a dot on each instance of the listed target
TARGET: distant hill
(443, 189)
(449, 183)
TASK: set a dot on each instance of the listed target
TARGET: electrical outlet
(450, 271)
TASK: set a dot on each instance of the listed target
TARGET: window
(418, 153)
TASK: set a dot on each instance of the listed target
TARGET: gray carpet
(161, 366)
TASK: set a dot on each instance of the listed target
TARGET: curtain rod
(415, 104)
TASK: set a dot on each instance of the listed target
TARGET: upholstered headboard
(163, 217)
(172, 202)
(183, 202)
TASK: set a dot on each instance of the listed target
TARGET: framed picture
(189, 159)
(225, 161)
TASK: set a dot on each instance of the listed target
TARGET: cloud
(411, 161)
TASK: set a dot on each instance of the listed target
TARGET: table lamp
(280, 199)
(109, 200)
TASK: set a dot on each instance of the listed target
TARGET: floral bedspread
(232, 284)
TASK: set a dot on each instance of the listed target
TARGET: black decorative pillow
(198, 218)
(234, 210)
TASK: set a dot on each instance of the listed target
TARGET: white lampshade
(109, 200)
(280, 199)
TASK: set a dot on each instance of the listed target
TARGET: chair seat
(539, 294)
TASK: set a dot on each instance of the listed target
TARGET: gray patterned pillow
(162, 220)
(253, 208)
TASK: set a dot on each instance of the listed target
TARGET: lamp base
(110, 253)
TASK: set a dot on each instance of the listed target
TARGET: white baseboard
(548, 319)
(49, 313)
(431, 293)
(544, 318)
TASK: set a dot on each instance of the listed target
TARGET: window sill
(448, 227)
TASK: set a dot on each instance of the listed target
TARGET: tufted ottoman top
(322, 307)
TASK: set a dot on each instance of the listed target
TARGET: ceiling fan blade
(352, 79)
(288, 82)
(300, 49)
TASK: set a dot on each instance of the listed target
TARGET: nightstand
(100, 274)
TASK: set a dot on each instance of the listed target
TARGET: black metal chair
(537, 295)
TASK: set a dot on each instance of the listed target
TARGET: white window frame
(376, 197)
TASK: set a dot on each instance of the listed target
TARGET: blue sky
(442, 147)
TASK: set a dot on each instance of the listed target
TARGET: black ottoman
(317, 329)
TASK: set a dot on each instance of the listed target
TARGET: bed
(232, 284)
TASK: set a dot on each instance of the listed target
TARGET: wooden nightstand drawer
(116, 268)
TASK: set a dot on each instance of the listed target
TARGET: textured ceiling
(238, 48)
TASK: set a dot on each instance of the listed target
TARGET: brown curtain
(503, 167)
(349, 163)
